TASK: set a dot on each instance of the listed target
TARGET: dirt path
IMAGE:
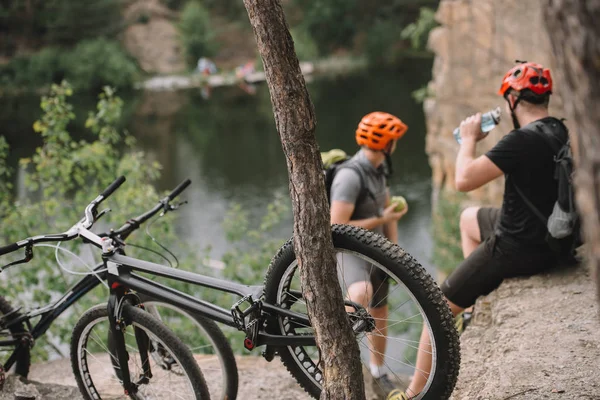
(259, 380)
(533, 338)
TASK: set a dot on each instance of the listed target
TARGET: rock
(475, 45)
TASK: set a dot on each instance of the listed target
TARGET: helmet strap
(388, 163)
(516, 123)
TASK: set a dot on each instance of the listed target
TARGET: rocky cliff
(477, 42)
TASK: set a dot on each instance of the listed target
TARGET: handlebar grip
(113, 186)
(8, 249)
(182, 186)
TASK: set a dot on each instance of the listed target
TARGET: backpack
(563, 224)
(333, 161)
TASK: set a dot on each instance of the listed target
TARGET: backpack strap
(529, 204)
(364, 190)
(543, 130)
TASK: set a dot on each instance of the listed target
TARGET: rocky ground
(533, 338)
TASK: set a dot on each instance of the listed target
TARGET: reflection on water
(230, 149)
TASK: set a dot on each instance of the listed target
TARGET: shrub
(304, 44)
(62, 177)
(196, 34)
(93, 64)
(418, 31)
(383, 41)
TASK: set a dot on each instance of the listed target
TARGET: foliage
(304, 44)
(382, 42)
(89, 65)
(62, 177)
(421, 94)
(330, 22)
(95, 63)
(196, 33)
(447, 252)
(245, 266)
(418, 31)
(251, 250)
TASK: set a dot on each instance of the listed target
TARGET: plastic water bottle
(489, 120)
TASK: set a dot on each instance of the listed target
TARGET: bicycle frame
(121, 274)
(49, 313)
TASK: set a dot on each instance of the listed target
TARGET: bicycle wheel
(96, 366)
(413, 301)
(206, 341)
(21, 354)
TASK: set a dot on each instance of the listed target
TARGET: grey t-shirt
(346, 187)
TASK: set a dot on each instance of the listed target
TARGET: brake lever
(171, 207)
(101, 214)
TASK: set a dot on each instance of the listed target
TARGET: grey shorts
(353, 269)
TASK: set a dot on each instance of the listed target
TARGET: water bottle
(489, 120)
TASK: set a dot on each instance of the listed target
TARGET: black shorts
(493, 261)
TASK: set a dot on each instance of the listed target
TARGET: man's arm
(341, 212)
(390, 229)
(472, 172)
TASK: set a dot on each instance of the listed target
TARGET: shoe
(382, 386)
(397, 394)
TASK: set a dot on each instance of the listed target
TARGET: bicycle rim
(217, 365)
(414, 303)
(99, 364)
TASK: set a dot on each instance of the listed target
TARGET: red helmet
(527, 75)
(377, 129)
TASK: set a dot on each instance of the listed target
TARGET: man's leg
(378, 340)
(423, 365)
(470, 235)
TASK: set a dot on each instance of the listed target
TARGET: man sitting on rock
(510, 241)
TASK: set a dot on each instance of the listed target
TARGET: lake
(227, 145)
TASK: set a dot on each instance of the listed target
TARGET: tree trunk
(295, 122)
(574, 29)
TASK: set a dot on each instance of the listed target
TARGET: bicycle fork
(118, 297)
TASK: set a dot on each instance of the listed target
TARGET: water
(229, 148)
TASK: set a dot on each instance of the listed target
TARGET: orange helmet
(527, 75)
(377, 129)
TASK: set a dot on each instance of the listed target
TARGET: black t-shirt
(527, 160)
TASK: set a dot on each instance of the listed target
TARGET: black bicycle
(274, 314)
(18, 333)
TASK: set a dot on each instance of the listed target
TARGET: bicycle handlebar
(180, 188)
(9, 249)
(127, 229)
(88, 220)
(112, 187)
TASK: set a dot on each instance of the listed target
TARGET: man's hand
(470, 128)
(389, 214)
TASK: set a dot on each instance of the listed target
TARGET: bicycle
(17, 329)
(274, 314)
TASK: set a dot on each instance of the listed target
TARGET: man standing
(360, 196)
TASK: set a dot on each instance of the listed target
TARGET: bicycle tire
(23, 353)
(407, 271)
(143, 320)
(220, 344)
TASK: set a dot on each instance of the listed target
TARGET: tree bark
(295, 123)
(574, 29)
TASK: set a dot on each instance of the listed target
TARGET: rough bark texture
(295, 122)
(574, 29)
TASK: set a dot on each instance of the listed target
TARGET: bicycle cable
(64, 268)
(160, 245)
